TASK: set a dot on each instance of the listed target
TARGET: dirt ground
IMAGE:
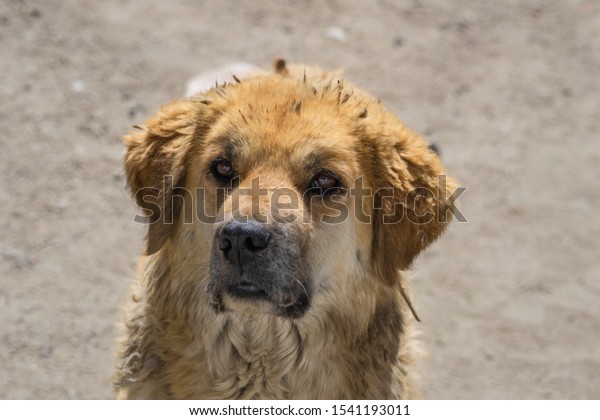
(509, 90)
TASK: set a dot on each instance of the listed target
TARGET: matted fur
(355, 340)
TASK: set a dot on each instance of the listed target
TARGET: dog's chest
(254, 359)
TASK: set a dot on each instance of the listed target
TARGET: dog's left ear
(412, 197)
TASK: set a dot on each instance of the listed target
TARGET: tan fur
(355, 341)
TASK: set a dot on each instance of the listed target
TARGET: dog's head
(273, 191)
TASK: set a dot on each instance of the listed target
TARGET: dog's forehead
(282, 122)
(273, 116)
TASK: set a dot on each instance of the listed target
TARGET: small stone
(77, 85)
(46, 349)
(337, 33)
(398, 42)
(136, 111)
(19, 259)
(22, 261)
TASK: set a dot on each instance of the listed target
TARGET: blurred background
(509, 90)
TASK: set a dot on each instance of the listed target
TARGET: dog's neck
(252, 356)
(265, 356)
(225, 355)
(273, 358)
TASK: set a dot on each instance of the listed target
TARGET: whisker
(305, 291)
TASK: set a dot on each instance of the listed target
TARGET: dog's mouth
(247, 290)
(245, 296)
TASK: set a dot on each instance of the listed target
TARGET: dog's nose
(241, 241)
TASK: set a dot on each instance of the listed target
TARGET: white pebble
(78, 85)
(337, 33)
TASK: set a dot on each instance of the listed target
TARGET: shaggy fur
(186, 337)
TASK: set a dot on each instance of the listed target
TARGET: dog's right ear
(155, 165)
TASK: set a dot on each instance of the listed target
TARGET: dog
(282, 209)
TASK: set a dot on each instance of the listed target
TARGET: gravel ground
(509, 90)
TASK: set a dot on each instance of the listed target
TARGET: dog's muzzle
(262, 261)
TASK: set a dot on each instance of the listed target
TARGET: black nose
(242, 241)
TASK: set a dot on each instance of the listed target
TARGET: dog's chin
(252, 301)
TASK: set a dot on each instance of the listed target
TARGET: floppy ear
(155, 166)
(412, 201)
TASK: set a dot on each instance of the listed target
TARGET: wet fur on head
(187, 336)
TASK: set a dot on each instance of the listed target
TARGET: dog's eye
(325, 182)
(222, 169)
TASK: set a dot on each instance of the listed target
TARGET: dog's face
(273, 192)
